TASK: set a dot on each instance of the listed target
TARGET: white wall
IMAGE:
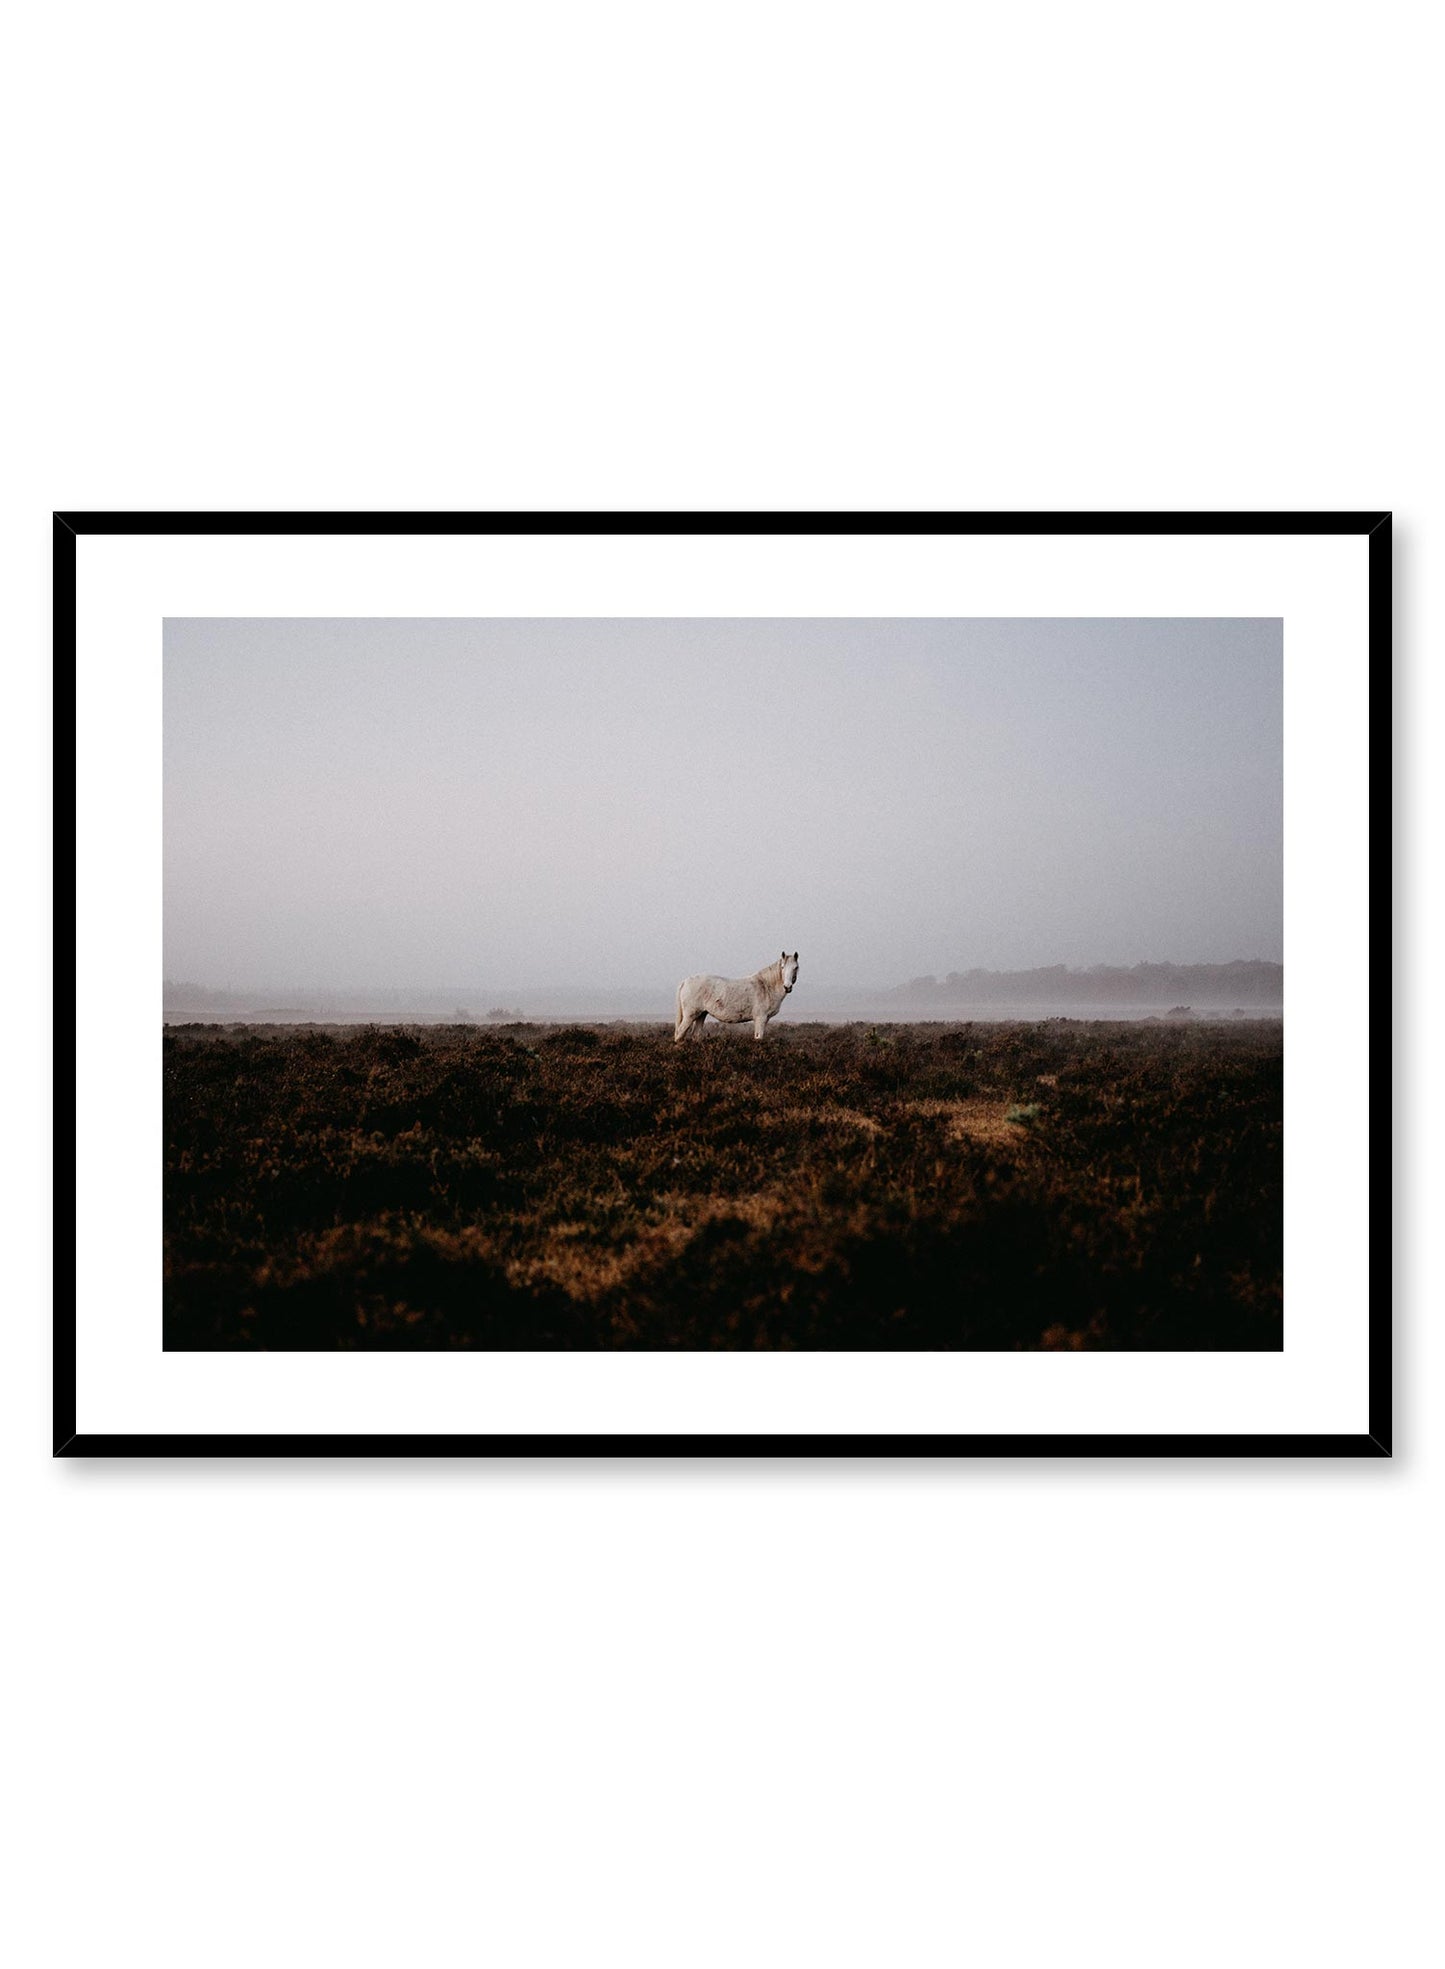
(786, 256)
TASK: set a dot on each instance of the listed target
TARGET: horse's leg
(760, 1025)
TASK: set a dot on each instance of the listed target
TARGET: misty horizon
(583, 806)
(441, 988)
(1243, 988)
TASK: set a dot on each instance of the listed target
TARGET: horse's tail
(677, 1027)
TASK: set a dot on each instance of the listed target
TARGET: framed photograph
(722, 984)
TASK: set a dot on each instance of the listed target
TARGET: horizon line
(443, 988)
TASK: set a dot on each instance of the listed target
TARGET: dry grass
(976, 1121)
(929, 1186)
(572, 1258)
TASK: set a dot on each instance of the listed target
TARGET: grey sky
(516, 804)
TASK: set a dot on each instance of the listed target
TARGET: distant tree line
(1243, 983)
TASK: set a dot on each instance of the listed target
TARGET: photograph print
(723, 984)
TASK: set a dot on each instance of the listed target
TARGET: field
(1057, 1185)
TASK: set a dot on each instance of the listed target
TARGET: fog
(520, 806)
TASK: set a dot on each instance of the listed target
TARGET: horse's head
(789, 970)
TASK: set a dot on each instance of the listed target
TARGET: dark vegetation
(928, 1186)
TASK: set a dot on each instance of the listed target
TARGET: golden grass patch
(574, 1258)
(849, 1117)
(976, 1120)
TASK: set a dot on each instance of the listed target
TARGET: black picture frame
(1376, 1441)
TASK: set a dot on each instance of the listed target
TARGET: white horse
(735, 1000)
